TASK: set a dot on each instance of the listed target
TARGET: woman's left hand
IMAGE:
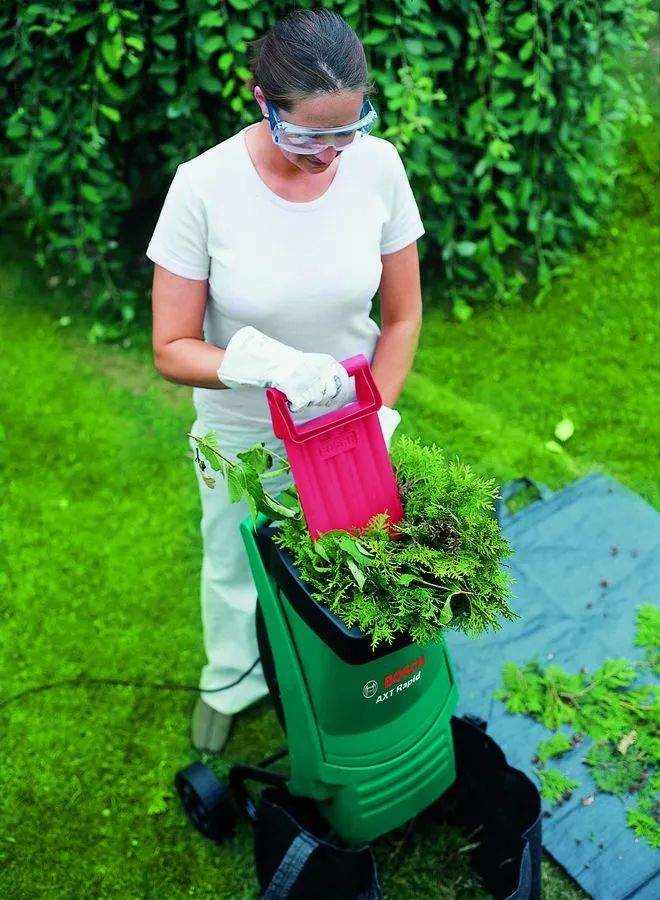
(389, 420)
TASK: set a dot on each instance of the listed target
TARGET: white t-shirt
(302, 273)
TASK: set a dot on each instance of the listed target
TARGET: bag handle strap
(289, 870)
(511, 488)
(290, 867)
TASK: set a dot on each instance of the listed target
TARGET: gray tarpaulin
(563, 545)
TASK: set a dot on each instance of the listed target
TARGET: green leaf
(158, 802)
(168, 86)
(210, 450)
(526, 50)
(110, 112)
(213, 43)
(212, 18)
(375, 36)
(406, 579)
(112, 51)
(557, 745)
(357, 573)
(165, 41)
(348, 545)
(236, 483)
(461, 310)
(564, 430)
(531, 120)
(135, 41)
(596, 75)
(90, 193)
(648, 626)
(504, 99)
(526, 21)
(506, 197)
(500, 238)
(320, 549)
(48, 118)
(258, 457)
(555, 786)
(466, 248)
(285, 508)
(78, 22)
(445, 614)
(594, 111)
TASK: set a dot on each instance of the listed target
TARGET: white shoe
(210, 728)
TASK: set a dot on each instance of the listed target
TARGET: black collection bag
(497, 806)
(295, 859)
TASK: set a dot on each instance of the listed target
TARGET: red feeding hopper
(339, 461)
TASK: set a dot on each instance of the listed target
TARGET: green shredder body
(369, 732)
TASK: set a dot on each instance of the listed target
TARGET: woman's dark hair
(309, 51)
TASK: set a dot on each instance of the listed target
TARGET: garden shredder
(369, 731)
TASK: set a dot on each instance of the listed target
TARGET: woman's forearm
(195, 362)
(393, 357)
(190, 361)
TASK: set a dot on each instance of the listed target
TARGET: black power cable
(80, 680)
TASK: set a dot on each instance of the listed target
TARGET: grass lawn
(100, 524)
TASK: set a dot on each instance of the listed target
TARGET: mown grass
(101, 553)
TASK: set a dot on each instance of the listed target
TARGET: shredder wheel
(207, 801)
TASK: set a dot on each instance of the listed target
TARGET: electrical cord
(81, 680)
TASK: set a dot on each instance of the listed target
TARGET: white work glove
(389, 420)
(253, 359)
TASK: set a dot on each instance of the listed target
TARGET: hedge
(509, 117)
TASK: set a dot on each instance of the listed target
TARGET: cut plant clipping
(611, 715)
(440, 568)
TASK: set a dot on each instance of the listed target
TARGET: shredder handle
(368, 401)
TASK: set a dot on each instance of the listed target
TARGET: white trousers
(228, 595)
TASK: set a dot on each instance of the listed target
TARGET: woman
(268, 251)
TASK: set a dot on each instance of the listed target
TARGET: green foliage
(508, 116)
(648, 635)
(441, 570)
(621, 719)
(557, 745)
(644, 817)
(555, 786)
(244, 477)
(614, 771)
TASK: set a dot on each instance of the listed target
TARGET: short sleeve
(404, 224)
(179, 241)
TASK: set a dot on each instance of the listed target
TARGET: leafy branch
(244, 477)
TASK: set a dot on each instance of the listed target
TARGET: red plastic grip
(367, 400)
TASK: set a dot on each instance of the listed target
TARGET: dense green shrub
(508, 116)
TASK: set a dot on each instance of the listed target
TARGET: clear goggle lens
(301, 143)
(297, 140)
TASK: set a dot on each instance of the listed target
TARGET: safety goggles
(303, 139)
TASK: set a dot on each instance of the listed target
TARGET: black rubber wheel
(207, 801)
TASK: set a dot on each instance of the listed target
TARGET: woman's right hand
(308, 379)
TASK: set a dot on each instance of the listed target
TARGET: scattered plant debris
(611, 707)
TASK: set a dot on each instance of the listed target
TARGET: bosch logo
(336, 444)
(369, 689)
(404, 672)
